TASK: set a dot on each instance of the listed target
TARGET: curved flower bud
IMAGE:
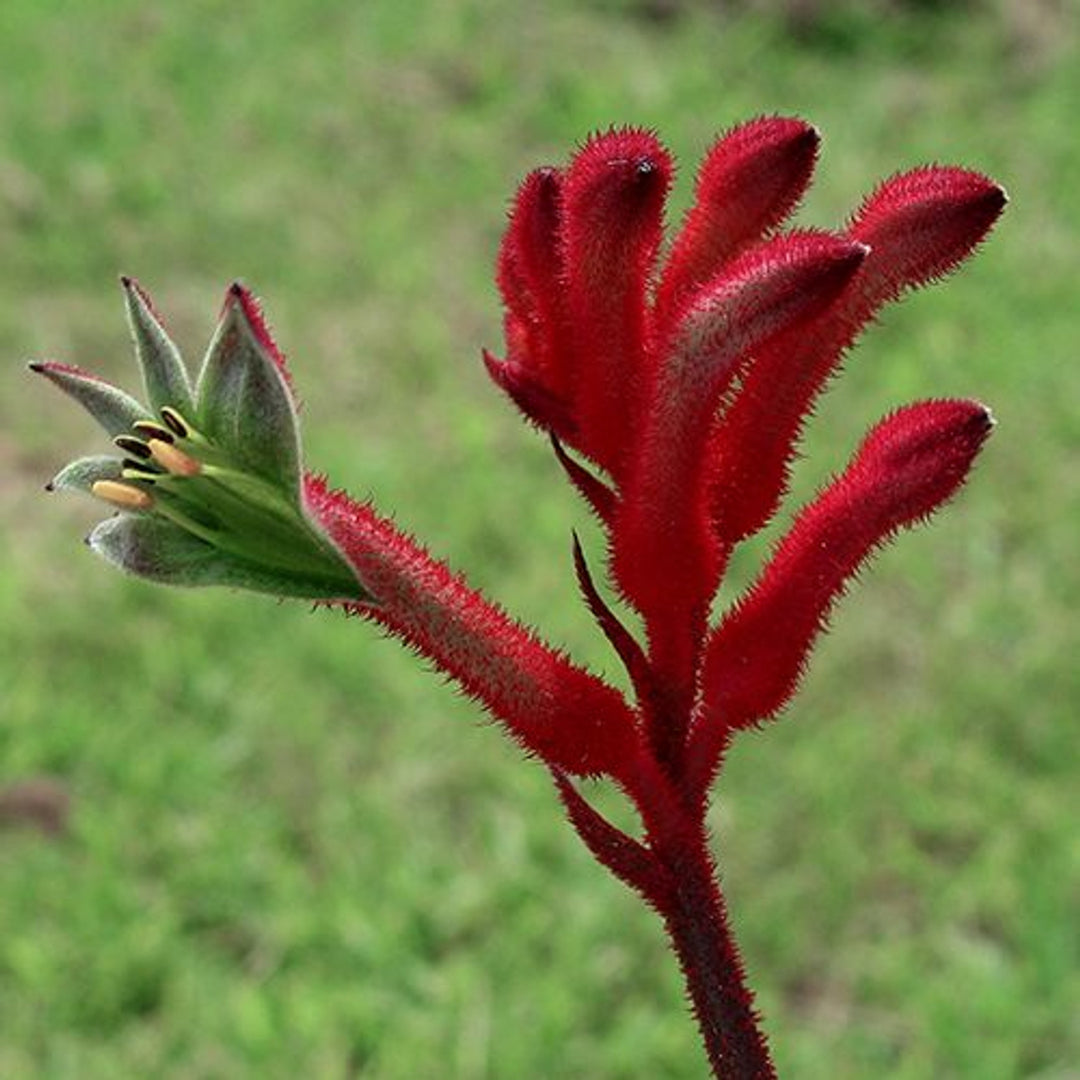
(531, 280)
(550, 706)
(209, 488)
(907, 466)
(662, 523)
(750, 180)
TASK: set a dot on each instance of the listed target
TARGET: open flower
(207, 478)
(209, 489)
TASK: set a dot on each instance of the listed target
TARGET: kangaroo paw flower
(673, 390)
(207, 477)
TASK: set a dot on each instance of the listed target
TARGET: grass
(291, 851)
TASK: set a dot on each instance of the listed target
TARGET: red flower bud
(662, 525)
(924, 223)
(908, 465)
(530, 277)
(749, 182)
(613, 205)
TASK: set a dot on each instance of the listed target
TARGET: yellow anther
(172, 459)
(124, 496)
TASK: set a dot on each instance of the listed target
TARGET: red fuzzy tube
(530, 278)
(613, 202)
(749, 182)
(919, 226)
(664, 556)
(928, 220)
(909, 464)
(561, 713)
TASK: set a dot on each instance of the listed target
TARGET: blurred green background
(287, 849)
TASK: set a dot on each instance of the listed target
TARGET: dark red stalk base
(700, 933)
(684, 887)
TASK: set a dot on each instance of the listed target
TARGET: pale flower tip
(136, 293)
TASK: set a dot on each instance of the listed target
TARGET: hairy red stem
(701, 936)
(696, 920)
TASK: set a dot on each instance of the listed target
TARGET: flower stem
(697, 924)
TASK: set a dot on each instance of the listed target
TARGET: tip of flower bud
(923, 223)
(988, 418)
(784, 134)
(621, 162)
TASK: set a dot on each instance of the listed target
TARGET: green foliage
(288, 850)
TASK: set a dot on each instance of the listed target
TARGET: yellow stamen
(124, 496)
(173, 459)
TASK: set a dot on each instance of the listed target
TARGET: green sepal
(81, 475)
(161, 551)
(164, 374)
(245, 406)
(245, 516)
(114, 410)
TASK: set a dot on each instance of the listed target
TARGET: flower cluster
(673, 385)
(683, 381)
